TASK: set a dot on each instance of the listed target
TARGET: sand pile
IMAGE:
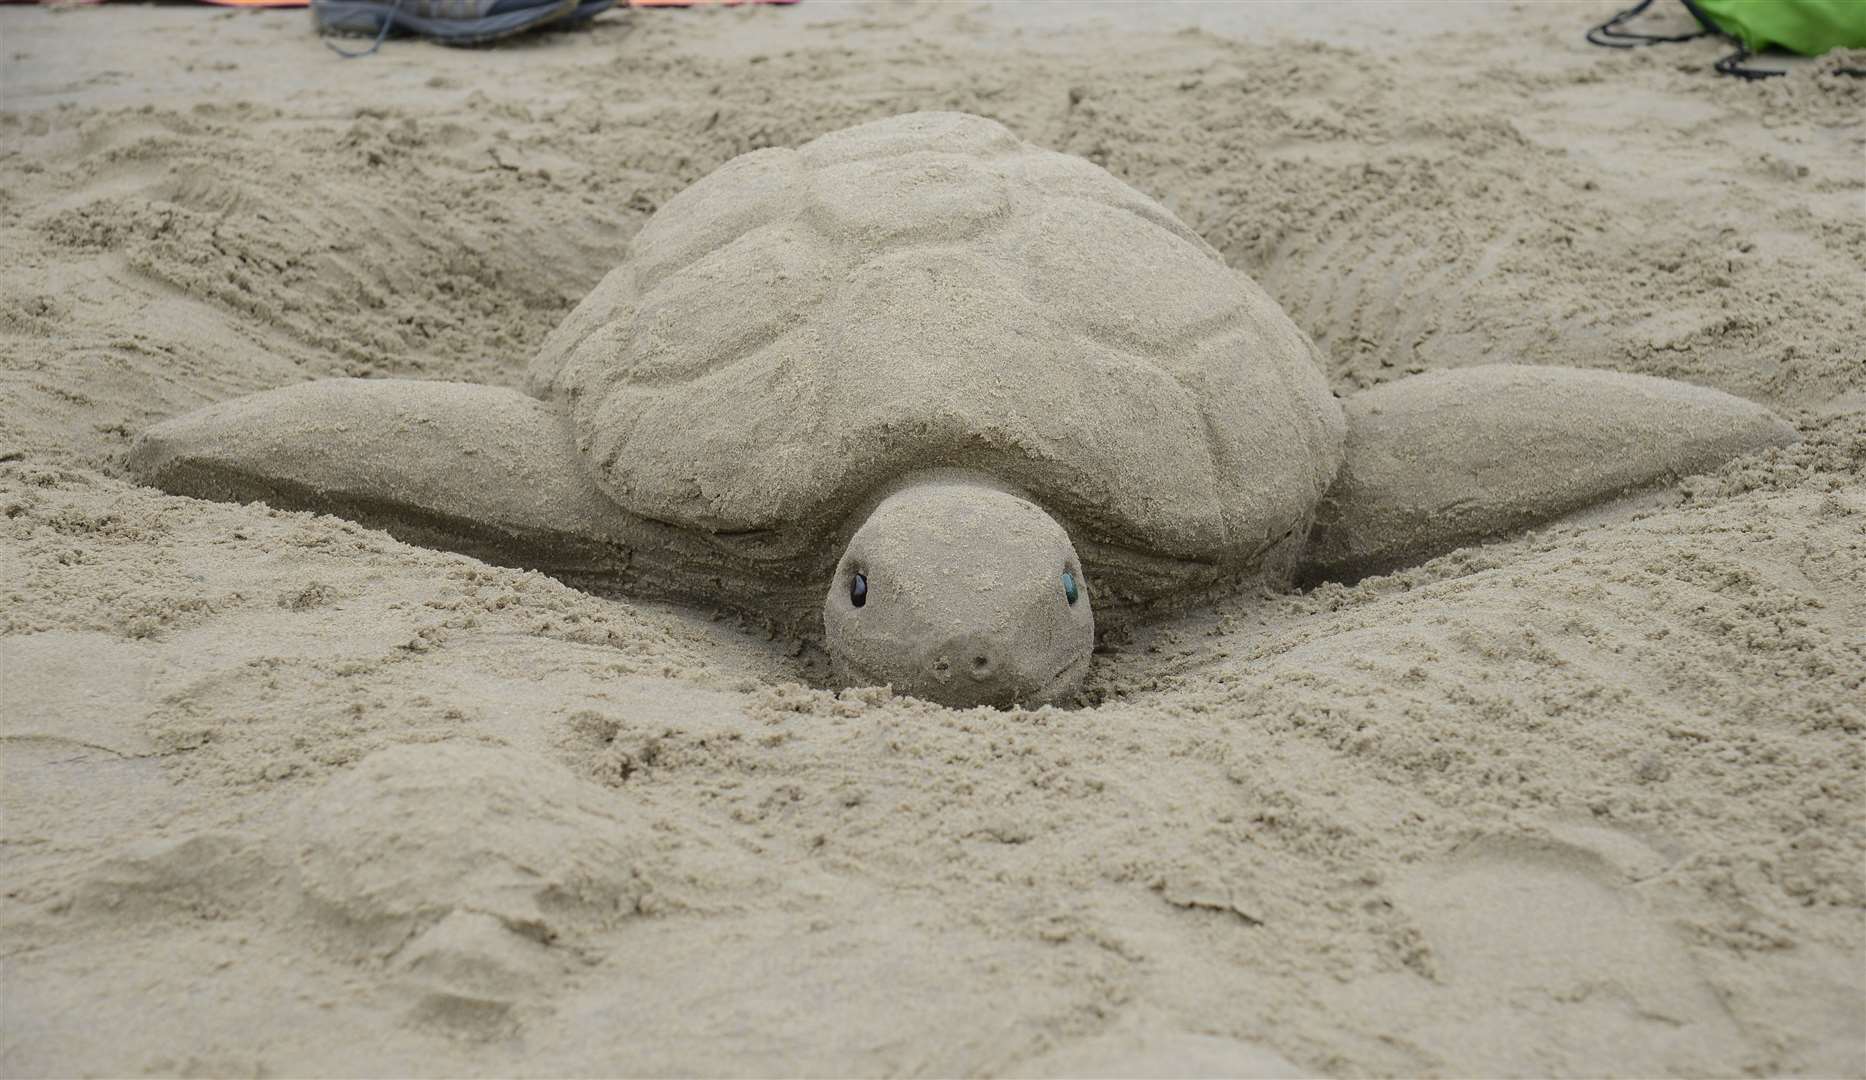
(282, 794)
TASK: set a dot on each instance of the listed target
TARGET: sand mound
(414, 834)
(281, 794)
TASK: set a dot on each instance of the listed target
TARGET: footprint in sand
(1547, 962)
(1135, 1051)
(74, 754)
(467, 869)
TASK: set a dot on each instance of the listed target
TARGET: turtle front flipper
(481, 470)
(1444, 459)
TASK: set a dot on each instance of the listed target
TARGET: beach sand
(282, 795)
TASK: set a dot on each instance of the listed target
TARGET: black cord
(382, 32)
(1608, 35)
(1733, 65)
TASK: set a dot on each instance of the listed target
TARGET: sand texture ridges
(282, 794)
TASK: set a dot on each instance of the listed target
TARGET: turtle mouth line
(1063, 673)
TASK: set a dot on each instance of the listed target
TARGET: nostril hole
(980, 663)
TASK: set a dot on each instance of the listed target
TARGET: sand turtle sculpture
(940, 396)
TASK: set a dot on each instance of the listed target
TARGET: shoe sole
(365, 18)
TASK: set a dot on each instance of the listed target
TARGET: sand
(283, 795)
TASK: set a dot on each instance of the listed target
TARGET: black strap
(1609, 35)
(1733, 65)
(382, 32)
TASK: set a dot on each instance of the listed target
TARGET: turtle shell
(801, 327)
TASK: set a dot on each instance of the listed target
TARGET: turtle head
(963, 594)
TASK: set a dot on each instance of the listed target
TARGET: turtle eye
(1069, 587)
(858, 590)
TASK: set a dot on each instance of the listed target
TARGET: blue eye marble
(858, 590)
(1069, 587)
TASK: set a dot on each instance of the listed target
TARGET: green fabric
(1809, 27)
